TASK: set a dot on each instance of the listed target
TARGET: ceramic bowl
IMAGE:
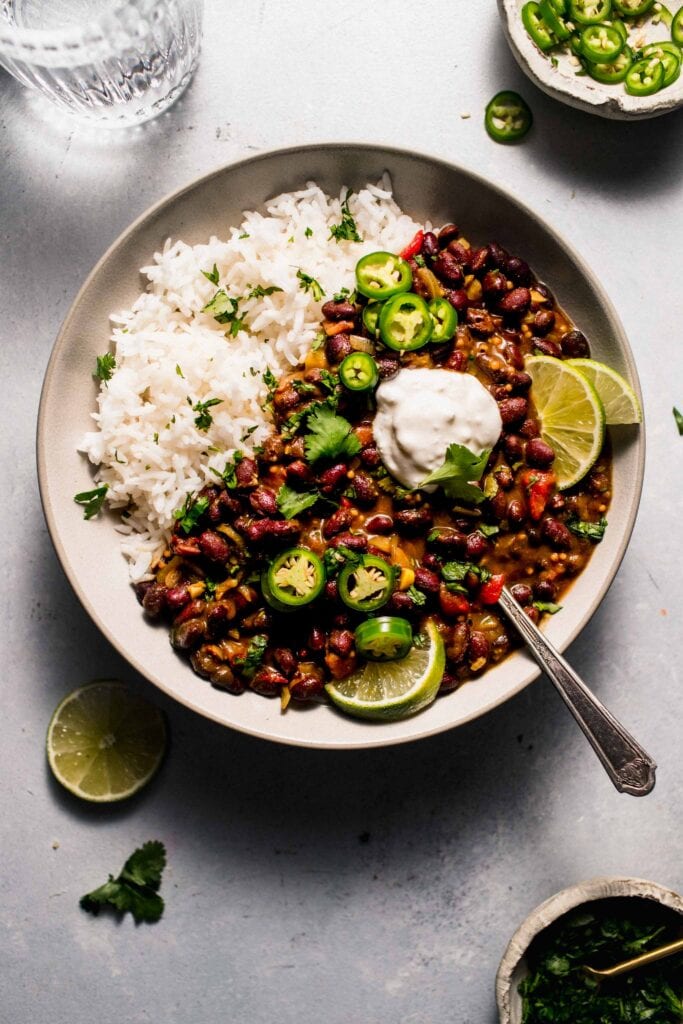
(513, 967)
(428, 189)
(561, 81)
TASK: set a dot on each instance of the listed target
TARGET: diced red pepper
(539, 486)
(452, 604)
(413, 248)
(345, 502)
(489, 592)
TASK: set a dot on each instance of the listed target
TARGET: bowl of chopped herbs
(542, 978)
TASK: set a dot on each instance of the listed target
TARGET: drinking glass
(114, 62)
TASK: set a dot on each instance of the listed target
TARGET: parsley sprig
(92, 500)
(346, 230)
(136, 889)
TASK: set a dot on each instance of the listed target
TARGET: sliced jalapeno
(553, 19)
(621, 28)
(367, 584)
(371, 318)
(508, 118)
(294, 579)
(536, 26)
(633, 8)
(379, 275)
(645, 77)
(677, 27)
(670, 56)
(445, 320)
(612, 73)
(358, 372)
(405, 323)
(601, 44)
(385, 638)
(589, 12)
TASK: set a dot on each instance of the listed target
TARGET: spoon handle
(630, 768)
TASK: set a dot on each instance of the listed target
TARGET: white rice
(147, 447)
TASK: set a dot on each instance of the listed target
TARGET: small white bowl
(562, 83)
(513, 967)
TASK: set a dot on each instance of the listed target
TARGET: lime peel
(616, 394)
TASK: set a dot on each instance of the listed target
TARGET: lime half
(394, 689)
(617, 396)
(104, 742)
(571, 416)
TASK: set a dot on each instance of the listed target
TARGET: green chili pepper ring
(367, 584)
(445, 319)
(405, 323)
(294, 579)
(385, 638)
(379, 275)
(508, 117)
(358, 372)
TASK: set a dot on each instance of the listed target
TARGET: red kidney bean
(430, 244)
(476, 546)
(492, 365)
(547, 347)
(262, 500)
(188, 634)
(204, 662)
(494, 285)
(479, 260)
(187, 547)
(154, 600)
(306, 684)
(296, 448)
(557, 503)
(532, 613)
(400, 603)
(545, 590)
(141, 589)
(529, 428)
(516, 302)
(449, 682)
(286, 398)
(214, 547)
(339, 310)
(338, 347)
(513, 410)
(246, 473)
(352, 541)
(299, 473)
(519, 271)
(341, 642)
(450, 540)
(370, 456)
(500, 647)
(513, 446)
(340, 520)
(499, 505)
(272, 531)
(456, 645)
(446, 267)
(177, 598)
(499, 255)
(431, 561)
(268, 681)
(364, 489)
(478, 646)
(217, 620)
(538, 453)
(316, 638)
(447, 233)
(273, 449)
(331, 590)
(544, 321)
(285, 660)
(387, 366)
(504, 478)
(556, 534)
(413, 521)
(457, 361)
(513, 354)
(224, 679)
(521, 593)
(516, 513)
(333, 478)
(192, 610)
(480, 322)
(458, 299)
(458, 252)
(519, 380)
(381, 524)
(543, 290)
(427, 580)
(575, 345)
(598, 483)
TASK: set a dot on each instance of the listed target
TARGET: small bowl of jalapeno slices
(620, 59)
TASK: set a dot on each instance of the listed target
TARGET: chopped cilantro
(346, 230)
(179, 371)
(335, 558)
(455, 573)
(291, 503)
(259, 291)
(106, 365)
(229, 474)
(678, 416)
(224, 309)
(248, 432)
(245, 234)
(309, 284)
(302, 387)
(294, 422)
(136, 890)
(329, 435)
(93, 500)
(461, 467)
(418, 597)
(329, 380)
(547, 606)
(211, 275)
(593, 531)
(209, 589)
(488, 529)
(254, 656)
(204, 419)
(308, 233)
(189, 515)
(318, 341)
(420, 260)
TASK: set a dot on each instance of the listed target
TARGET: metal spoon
(638, 961)
(630, 768)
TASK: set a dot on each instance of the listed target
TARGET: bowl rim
(372, 738)
(592, 96)
(546, 913)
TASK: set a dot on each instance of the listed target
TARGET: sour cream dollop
(420, 412)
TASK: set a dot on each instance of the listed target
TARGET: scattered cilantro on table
(135, 890)
(678, 416)
(461, 467)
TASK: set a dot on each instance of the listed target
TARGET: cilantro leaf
(309, 284)
(189, 515)
(308, 232)
(461, 467)
(204, 419)
(106, 365)
(294, 422)
(291, 503)
(211, 275)
(678, 416)
(547, 606)
(335, 558)
(259, 291)
(136, 889)
(329, 435)
(346, 230)
(254, 656)
(488, 529)
(229, 474)
(455, 573)
(318, 341)
(593, 531)
(93, 500)
(418, 597)
(224, 309)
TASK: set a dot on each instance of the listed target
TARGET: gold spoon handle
(630, 768)
(638, 961)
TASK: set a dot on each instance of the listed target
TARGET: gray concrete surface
(376, 887)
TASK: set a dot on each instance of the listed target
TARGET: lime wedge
(104, 742)
(571, 416)
(394, 689)
(617, 396)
